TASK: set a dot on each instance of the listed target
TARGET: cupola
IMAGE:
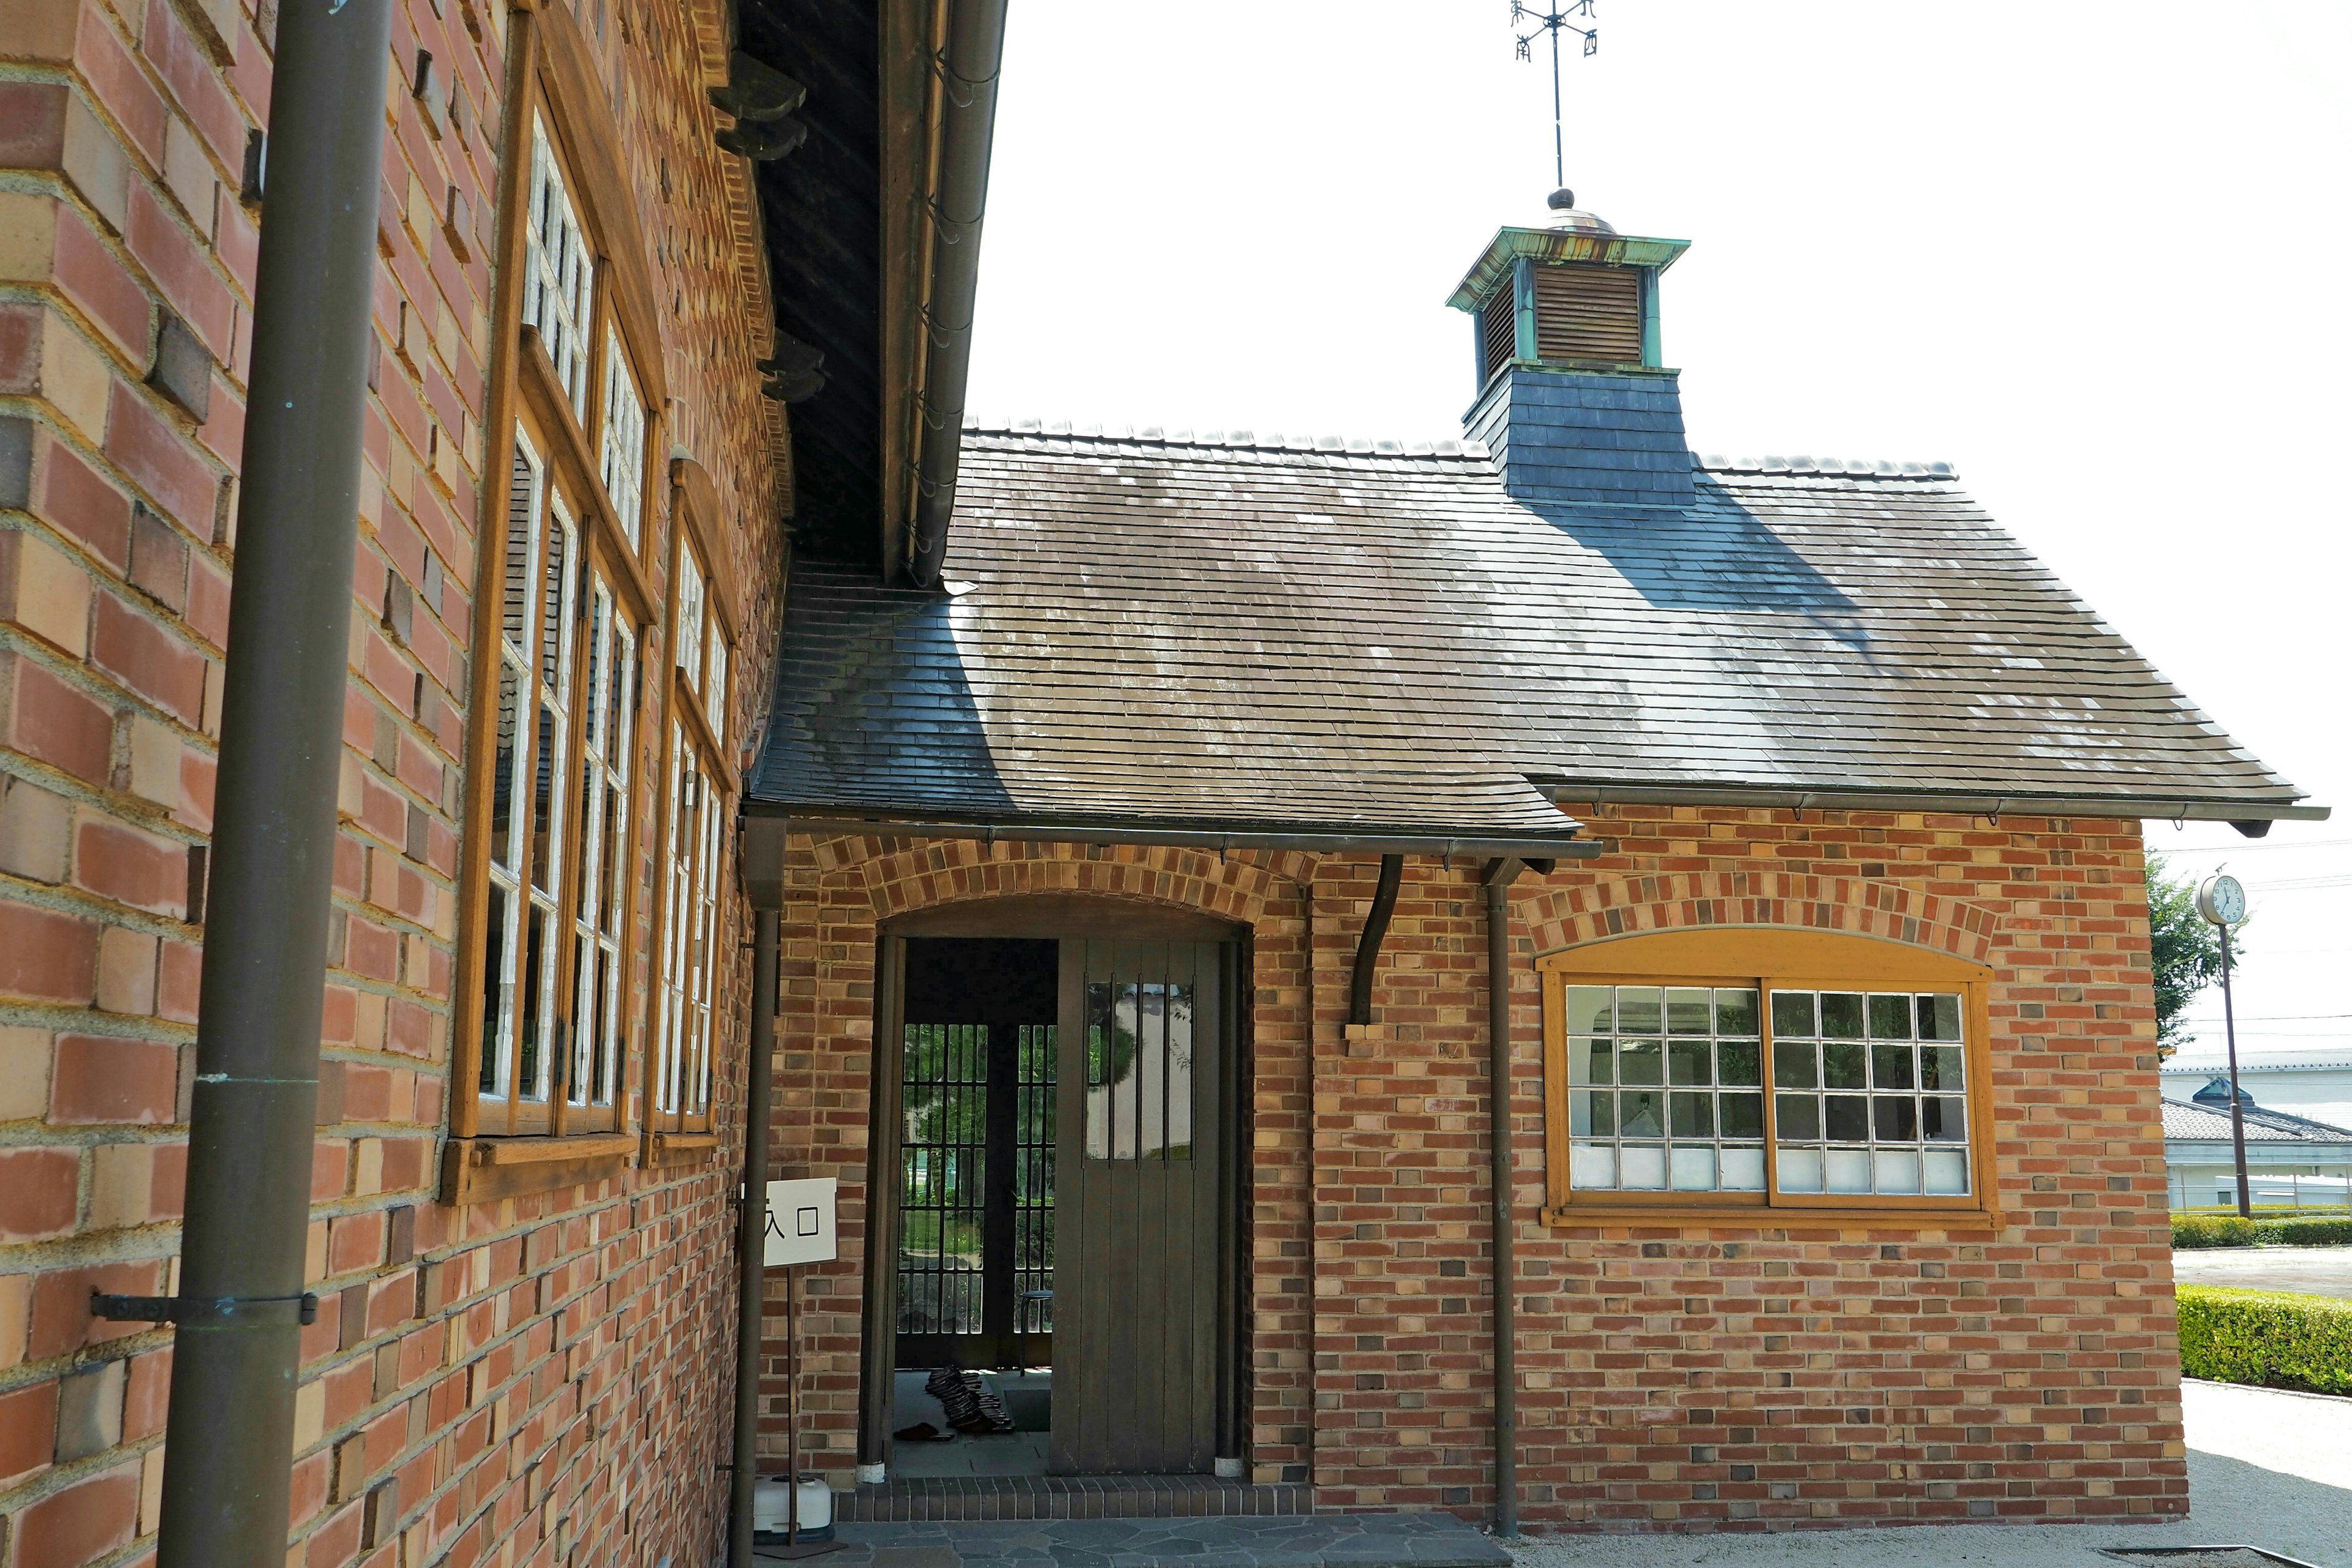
(1573, 397)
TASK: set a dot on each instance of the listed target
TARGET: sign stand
(801, 1220)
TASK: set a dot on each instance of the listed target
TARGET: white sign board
(801, 1222)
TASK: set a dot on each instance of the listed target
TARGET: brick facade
(1772, 1376)
(542, 1378)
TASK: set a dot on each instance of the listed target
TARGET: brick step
(973, 1498)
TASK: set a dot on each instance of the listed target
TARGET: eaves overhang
(1987, 802)
(1510, 245)
(1323, 838)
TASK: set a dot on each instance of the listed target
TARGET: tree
(2185, 950)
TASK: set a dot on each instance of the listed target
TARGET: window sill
(477, 1170)
(1757, 1216)
(680, 1148)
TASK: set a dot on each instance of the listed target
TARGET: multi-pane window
(502, 919)
(689, 616)
(558, 272)
(1869, 1092)
(714, 684)
(523, 1023)
(557, 839)
(599, 1040)
(624, 455)
(1665, 1089)
(1804, 1092)
(690, 856)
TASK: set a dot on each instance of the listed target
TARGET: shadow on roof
(896, 693)
(1718, 556)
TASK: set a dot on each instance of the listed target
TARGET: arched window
(1751, 1067)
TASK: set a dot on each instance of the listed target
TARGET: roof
(2187, 1124)
(2283, 1058)
(1220, 628)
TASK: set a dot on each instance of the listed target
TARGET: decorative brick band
(1564, 917)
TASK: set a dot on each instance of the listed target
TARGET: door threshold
(927, 1498)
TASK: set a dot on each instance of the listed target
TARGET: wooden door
(1138, 1168)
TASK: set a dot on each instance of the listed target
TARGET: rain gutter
(2251, 817)
(1309, 839)
(967, 87)
(230, 1434)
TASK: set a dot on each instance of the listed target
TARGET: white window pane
(1642, 1167)
(624, 454)
(715, 686)
(1848, 1169)
(1946, 1173)
(1693, 1169)
(1897, 1170)
(1800, 1170)
(557, 272)
(1593, 1166)
(688, 652)
(1743, 1169)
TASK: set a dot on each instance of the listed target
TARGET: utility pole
(2222, 902)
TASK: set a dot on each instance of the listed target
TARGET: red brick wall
(1782, 1374)
(547, 1375)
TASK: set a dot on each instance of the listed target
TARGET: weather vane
(1552, 21)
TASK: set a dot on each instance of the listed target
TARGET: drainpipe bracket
(205, 1311)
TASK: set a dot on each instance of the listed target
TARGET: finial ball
(1560, 200)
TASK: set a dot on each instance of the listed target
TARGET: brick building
(577, 464)
(1237, 758)
(1237, 794)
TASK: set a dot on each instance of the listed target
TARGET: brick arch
(898, 877)
(1558, 917)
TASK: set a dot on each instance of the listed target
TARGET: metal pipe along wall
(751, 1237)
(230, 1445)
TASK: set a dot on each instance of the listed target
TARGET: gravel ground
(2319, 1270)
(2266, 1469)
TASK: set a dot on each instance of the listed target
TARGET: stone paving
(1321, 1541)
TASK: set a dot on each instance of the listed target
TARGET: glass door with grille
(977, 1080)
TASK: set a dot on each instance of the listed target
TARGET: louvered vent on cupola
(1498, 330)
(1588, 312)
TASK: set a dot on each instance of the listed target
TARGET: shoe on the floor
(922, 1432)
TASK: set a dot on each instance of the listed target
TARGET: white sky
(2092, 254)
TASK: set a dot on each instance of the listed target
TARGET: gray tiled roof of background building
(2188, 1124)
(1227, 629)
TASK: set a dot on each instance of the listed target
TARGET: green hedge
(2214, 1230)
(2268, 1338)
(2234, 1230)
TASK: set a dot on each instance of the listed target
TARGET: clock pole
(2222, 902)
(2237, 1110)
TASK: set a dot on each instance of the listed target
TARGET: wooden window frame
(1768, 957)
(494, 1150)
(687, 1131)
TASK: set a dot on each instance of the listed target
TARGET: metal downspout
(1368, 946)
(750, 1237)
(764, 842)
(1498, 879)
(968, 113)
(234, 1366)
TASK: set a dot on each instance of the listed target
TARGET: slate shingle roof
(2184, 1122)
(1358, 635)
